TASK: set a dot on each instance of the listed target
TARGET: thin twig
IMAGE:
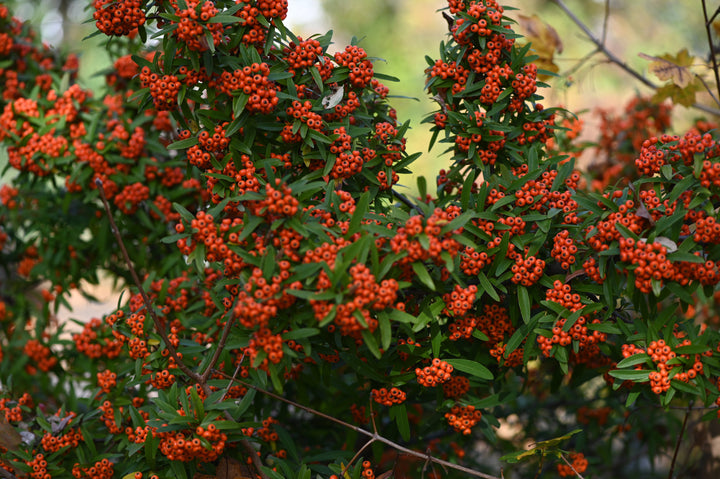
(237, 370)
(221, 345)
(7, 474)
(712, 49)
(160, 327)
(617, 61)
(148, 305)
(357, 454)
(677, 443)
(605, 21)
(601, 46)
(571, 466)
(708, 89)
(375, 436)
(408, 203)
(712, 19)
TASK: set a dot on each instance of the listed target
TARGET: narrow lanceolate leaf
(471, 367)
(631, 375)
(524, 301)
(633, 360)
(487, 287)
(423, 275)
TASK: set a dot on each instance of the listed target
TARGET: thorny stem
(712, 48)
(160, 327)
(601, 48)
(373, 435)
(677, 443)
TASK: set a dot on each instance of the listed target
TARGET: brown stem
(374, 435)
(7, 474)
(357, 454)
(201, 380)
(571, 466)
(712, 47)
(708, 89)
(221, 345)
(408, 203)
(158, 324)
(677, 443)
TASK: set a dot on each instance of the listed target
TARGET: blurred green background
(402, 32)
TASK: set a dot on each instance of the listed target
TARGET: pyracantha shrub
(249, 178)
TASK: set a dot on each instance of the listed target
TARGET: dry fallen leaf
(542, 35)
(544, 39)
(666, 69)
(331, 101)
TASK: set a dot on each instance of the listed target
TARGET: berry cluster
(437, 373)
(163, 89)
(195, 19)
(118, 17)
(463, 418)
(388, 397)
(456, 387)
(460, 301)
(355, 59)
(527, 271)
(564, 249)
(579, 465)
(181, 446)
(251, 80)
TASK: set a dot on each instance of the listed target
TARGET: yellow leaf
(544, 39)
(675, 69)
(540, 34)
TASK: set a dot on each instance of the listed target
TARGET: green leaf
(691, 349)
(684, 387)
(183, 144)
(471, 367)
(371, 343)
(300, 333)
(360, 212)
(385, 330)
(524, 301)
(423, 275)
(639, 358)
(487, 286)
(401, 419)
(631, 375)
(402, 316)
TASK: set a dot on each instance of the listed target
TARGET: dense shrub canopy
(290, 313)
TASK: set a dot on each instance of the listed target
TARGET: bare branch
(612, 58)
(404, 199)
(159, 326)
(712, 50)
(373, 435)
(571, 466)
(679, 440)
